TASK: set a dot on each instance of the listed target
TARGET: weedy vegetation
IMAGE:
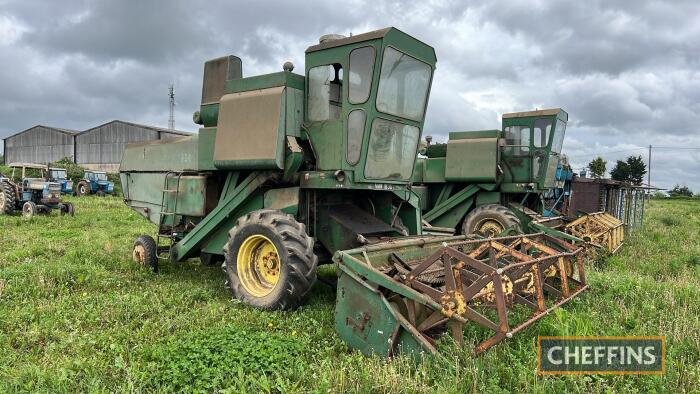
(77, 315)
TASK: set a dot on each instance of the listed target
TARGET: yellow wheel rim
(258, 265)
(489, 228)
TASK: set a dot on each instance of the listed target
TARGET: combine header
(404, 294)
(290, 170)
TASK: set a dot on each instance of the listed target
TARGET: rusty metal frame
(464, 277)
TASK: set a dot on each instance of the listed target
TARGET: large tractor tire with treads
(269, 260)
(7, 199)
(490, 220)
(83, 189)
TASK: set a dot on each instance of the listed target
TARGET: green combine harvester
(290, 171)
(492, 182)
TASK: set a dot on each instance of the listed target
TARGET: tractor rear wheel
(82, 189)
(269, 260)
(29, 210)
(7, 199)
(490, 220)
(145, 252)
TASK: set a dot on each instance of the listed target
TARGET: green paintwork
(181, 154)
(329, 138)
(281, 78)
(305, 180)
(480, 169)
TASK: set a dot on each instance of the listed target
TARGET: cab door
(517, 153)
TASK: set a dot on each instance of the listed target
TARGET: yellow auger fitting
(600, 229)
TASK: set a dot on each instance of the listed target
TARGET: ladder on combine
(166, 228)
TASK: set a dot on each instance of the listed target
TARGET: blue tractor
(94, 182)
(32, 194)
(60, 176)
(557, 198)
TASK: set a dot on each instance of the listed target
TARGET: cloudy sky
(628, 73)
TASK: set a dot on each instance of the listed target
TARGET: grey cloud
(627, 73)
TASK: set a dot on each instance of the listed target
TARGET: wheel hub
(139, 254)
(258, 265)
(489, 228)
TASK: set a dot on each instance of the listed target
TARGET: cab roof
(541, 112)
(28, 165)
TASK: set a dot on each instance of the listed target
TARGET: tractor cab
(60, 175)
(366, 101)
(531, 148)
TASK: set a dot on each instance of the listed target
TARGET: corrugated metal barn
(97, 148)
(40, 144)
(101, 147)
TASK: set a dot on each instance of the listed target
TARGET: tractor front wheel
(82, 190)
(269, 260)
(490, 220)
(100, 193)
(7, 199)
(29, 210)
(145, 252)
(68, 209)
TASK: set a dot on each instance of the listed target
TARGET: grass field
(77, 315)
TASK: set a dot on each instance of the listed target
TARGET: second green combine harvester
(289, 170)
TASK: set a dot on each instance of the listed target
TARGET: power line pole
(171, 120)
(649, 167)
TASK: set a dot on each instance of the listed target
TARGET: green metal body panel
(309, 177)
(281, 78)
(143, 191)
(364, 318)
(480, 153)
(181, 154)
(205, 148)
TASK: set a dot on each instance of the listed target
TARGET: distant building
(39, 144)
(97, 148)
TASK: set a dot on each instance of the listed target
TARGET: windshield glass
(392, 150)
(100, 177)
(558, 136)
(403, 85)
(58, 174)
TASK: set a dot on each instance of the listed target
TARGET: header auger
(289, 170)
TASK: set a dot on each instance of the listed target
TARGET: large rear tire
(7, 199)
(490, 220)
(269, 260)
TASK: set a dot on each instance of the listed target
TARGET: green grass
(77, 315)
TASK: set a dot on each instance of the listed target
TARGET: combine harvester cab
(290, 169)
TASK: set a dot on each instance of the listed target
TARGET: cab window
(360, 74)
(392, 150)
(517, 140)
(403, 85)
(356, 130)
(558, 136)
(325, 92)
(541, 133)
